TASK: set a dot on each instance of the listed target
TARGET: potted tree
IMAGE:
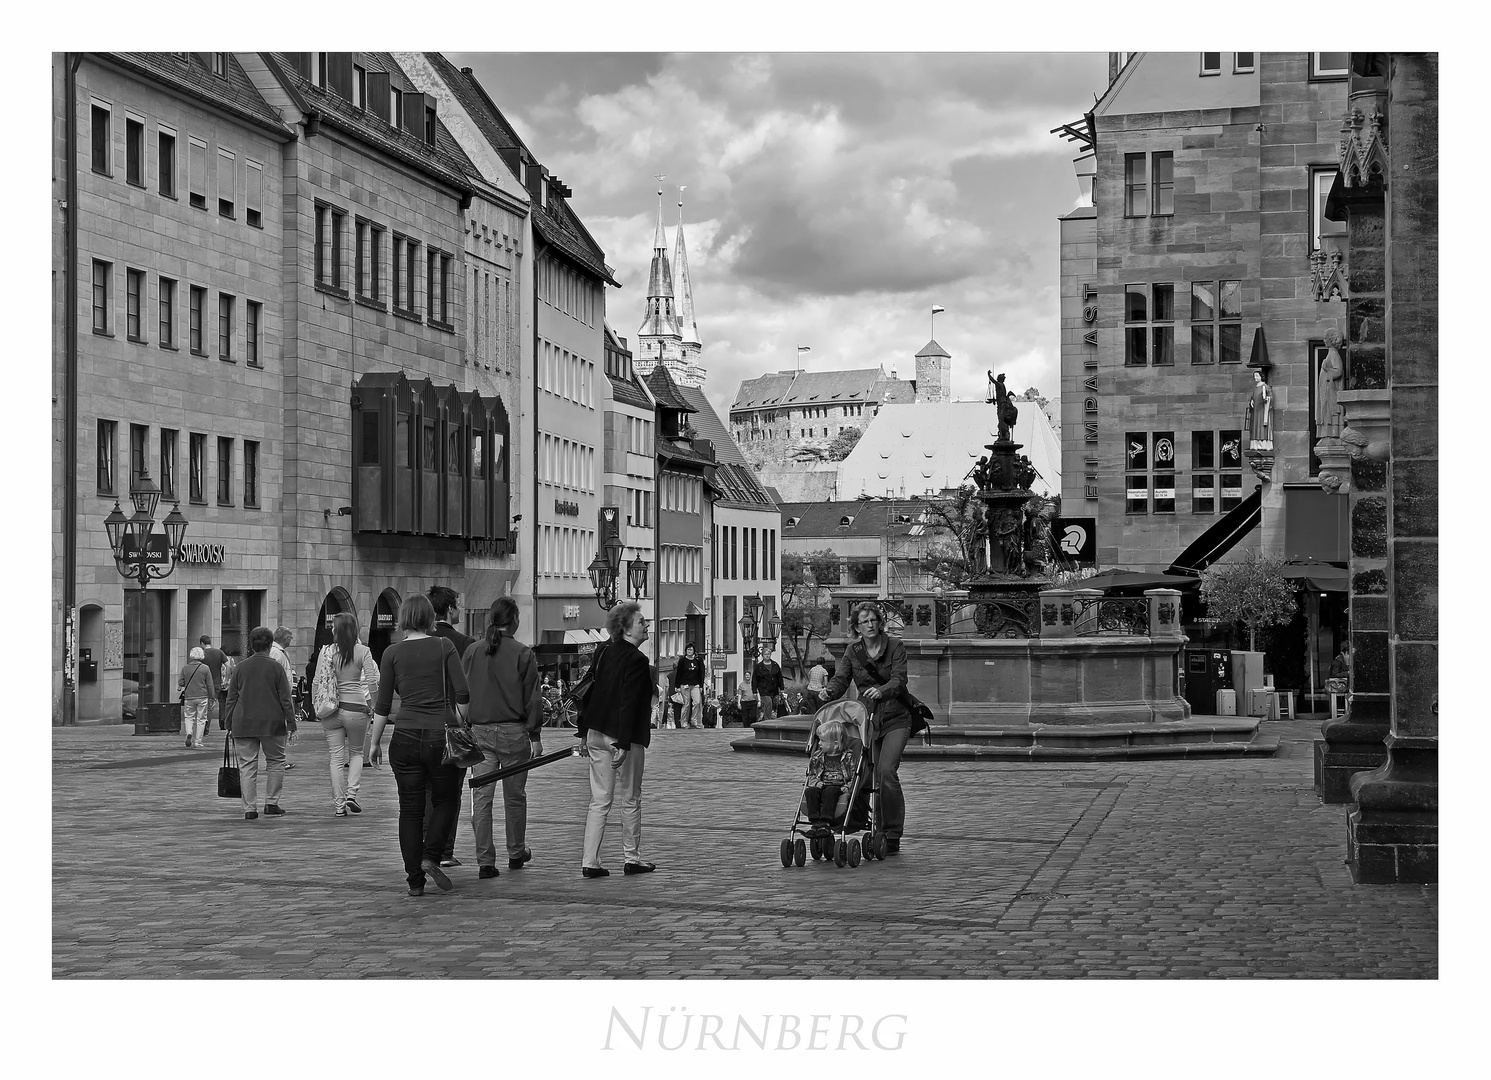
(1255, 593)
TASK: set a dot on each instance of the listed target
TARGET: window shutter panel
(196, 180)
(378, 94)
(414, 113)
(254, 194)
(301, 61)
(341, 73)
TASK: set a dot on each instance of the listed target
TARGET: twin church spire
(669, 333)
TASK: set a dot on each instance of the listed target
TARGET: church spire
(660, 318)
(688, 329)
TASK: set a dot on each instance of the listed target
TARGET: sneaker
(517, 864)
(352, 807)
(433, 871)
(416, 890)
(188, 742)
(289, 765)
(489, 872)
(341, 811)
(452, 861)
(251, 815)
(273, 810)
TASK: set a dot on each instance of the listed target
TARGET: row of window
(682, 493)
(1211, 62)
(639, 505)
(371, 91)
(223, 182)
(1152, 471)
(167, 476)
(728, 625)
(1149, 191)
(1323, 65)
(1149, 323)
(375, 288)
(565, 290)
(494, 321)
(567, 464)
(567, 375)
(680, 565)
(564, 551)
(136, 319)
(671, 636)
(639, 435)
(742, 554)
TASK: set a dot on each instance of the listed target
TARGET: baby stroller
(858, 809)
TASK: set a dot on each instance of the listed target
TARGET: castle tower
(658, 339)
(933, 374)
(691, 372)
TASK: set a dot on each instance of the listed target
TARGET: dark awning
(1221, 537)
(1110, 580)
(1317, 576)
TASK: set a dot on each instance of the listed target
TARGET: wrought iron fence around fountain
(1049, 614)
(1094, 616)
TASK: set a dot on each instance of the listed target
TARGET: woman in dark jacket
(876, 663)
(615, 727)
(260, 716)
(419, 669)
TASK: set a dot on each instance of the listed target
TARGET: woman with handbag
(426, 674)
(195, 681)
(346, 684)
(876, 664)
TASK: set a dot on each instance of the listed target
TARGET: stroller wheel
(787, 852)
(841, 853)
(800, 851)
(854, 852)
(816, 846)
(878, 840)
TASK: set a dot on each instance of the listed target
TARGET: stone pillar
(1164, 615)
(1355, 741)
(1393, 830)
(1057, 618)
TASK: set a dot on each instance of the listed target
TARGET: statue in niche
(1005, 409)
(1328, 386)
(1037, 535)
(1259, 420)
(1007, 554)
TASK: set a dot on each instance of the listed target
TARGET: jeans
(768, 709)
(887, 761)
(248, 768)
(414, 757)
(194, 719)
(346, 732)
(501, 745)
(693, 706)
(822, 802)
(625, 786)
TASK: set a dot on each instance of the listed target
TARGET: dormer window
(792, 522)
(846, 521)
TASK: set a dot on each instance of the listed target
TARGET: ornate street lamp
(636, 574)
(129, 540)
(605, 570)
(747, 631)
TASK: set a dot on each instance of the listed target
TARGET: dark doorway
(381, 633)
(337, 601)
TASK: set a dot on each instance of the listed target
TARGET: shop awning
(1129, 579)
(1317, 576)
(585, 636)
(1221, 537)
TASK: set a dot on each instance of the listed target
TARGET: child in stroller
(831, 768)
(837, 795)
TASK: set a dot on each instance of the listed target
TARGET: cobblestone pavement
(1199, 868)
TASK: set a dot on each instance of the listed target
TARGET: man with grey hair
(279, 653)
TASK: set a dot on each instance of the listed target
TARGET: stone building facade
(1205, 215)
(794, 416)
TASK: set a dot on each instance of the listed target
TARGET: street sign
(1076, 539)
(718, 663)
(155, 549)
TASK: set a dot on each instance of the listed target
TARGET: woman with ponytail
(356, 676)
(506, 718)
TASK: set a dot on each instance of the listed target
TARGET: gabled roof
(808, 388)
(666, 391)
(735, 475)
(235, 95)
(445, 161)
(894, 392)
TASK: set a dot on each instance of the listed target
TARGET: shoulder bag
(921, 715)
(324, 683)
(181, 697)
(227, 776)
(460, 744)
(579, 694)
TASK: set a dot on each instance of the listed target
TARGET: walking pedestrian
(507, 719)
(197, 691)
(688, 677)
(260, 717)
(215, 659)
(616, 732)
(818, 675)
(278, 653)
(446, 602)
(766, 678)
(876, 663)
(350, 666)
(419, 669)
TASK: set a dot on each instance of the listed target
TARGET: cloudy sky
(831, 198)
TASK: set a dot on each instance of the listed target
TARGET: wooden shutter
(340, 76)
(378, 94)
(414, 113)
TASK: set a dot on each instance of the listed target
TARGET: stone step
(1258, 745)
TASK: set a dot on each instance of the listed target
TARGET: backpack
(324, 683)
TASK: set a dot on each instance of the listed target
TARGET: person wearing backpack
(342, 693)
(507, 719)
(197, 691)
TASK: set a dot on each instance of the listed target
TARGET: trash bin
(159, 718)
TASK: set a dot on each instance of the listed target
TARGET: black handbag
(228, 786)
(460, 744)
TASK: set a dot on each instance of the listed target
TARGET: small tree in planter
(1253, 592)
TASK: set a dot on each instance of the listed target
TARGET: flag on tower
(936, 308)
